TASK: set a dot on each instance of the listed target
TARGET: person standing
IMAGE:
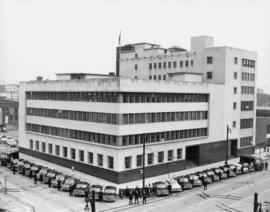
(170, 189)
(14, 169)
(35, 178)
(266, 165)
(100, 195)
(58, 184)
(204, 185)
(144, 196)
(130, 198)
(136, 195)
(71, 189)
(49, 182)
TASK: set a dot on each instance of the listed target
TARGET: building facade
(9, 113)
(98, 123)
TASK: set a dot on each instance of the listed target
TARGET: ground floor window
(128, 162)
(110, 162)
(100, 160)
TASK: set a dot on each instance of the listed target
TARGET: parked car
(109, 194)
(60, 177)
(69, 181)
(161, 188)
(252, 167)
(21, 168)
(245, 168)
(175, 186)
(81, 188)
(95, 188)
(257, 161)
(238, 169)
(51, 174)
(42, 172)
(220, 173)
(184, 182)
(27, 168)
(16, 164)
(212, 175)
(204, 177)
(194, 179)
(228, 171)
(34, 169)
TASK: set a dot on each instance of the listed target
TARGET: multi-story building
(98, 123)
(9, 113)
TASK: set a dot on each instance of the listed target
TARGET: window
(164, 65)
(169, 64)
(246, 123)
(139, 160)
(181, 64)
(150, 158)
(150, 77)
(159, 65)
(72, 154)
(136, 67)
(235, 75)
(155, 65)
(136, 56)
(234, 105)
(170, 155)
(235, 90)
(186, 63)
(247, 105)
(160, 157)
(209, 60)
(159, 77)
(81, 155)
(31, 144)
(164, 77)
(57, 150)
(128, 162)
(234, 124)
(191, 62)
(235, 60)
(155, 77)
(90, 157)
(43, 147)
(100, 160)
(150, 66)
(110, 162)
(246, 141)
(209, 75)
(179, 153)
(65, 152)
(174, 64)
(37, 145)
(50, 148)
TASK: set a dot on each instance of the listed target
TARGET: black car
(51, 174)
(81, 188)
(68, 183)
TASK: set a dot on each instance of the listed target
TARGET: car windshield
(34, 168)
(43, 171)
(51, 174)
(81, 185)
(210, 173)
(110, 190)
(184, 180)
(218, 170)
(15, 161)
(194, 177)
(96, 187)
(27, 165)
(69, 181)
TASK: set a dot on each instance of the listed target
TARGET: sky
(44, 37)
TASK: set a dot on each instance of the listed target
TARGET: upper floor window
(235, 90)
(235, 60)
(150, 66)
(136, 55)
(150, 158)
(235, 75)
(169, 64)
(209, 60)
(209, 75)
(186, 63)
(110, 162)
(159, 65)
(191, 62)
(181, 64)
(100, 160)
(155, 65)
(164, 65)
(174, 64)
(90, 157)
(128, 162)
(136, 66)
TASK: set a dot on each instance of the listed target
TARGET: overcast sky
(43, 37)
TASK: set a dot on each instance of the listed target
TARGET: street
(235, 194)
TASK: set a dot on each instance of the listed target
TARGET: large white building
(180, 102)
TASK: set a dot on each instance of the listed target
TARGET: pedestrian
(121, 193)
(35, 178)
(204, 185)
(13, 169)
(58, 184)
(130, 198)
(170, 189)
(266, 165)
(49, 182)
(127, 192)
(71, 189)
(100, 195)
(41, 178)
(144, 196)
(136, 195)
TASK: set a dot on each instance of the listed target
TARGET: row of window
(246, 141)
(164, 117)
(117, 97)
(247, 105)
(247, 90)
(163, 136)
(246, 123)
(72, 151)
(248, 76)
(158, 77)
(112, 140)
(150, 158)
(173, 64)
(73, 134)
(248, 63)
(108, 118)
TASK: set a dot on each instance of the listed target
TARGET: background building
(98, 123)
(9, 113)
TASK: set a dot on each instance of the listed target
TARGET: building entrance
(192, 155)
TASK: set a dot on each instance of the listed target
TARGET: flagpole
(118, 55)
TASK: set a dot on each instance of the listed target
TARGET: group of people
(136, 193)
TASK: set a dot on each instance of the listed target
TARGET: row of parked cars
(247, 164)
(45, 174)
(9, 140)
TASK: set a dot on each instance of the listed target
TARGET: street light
(227, 141)
(143, 174)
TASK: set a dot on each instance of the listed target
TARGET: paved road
(233, 195)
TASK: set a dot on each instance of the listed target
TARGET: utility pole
(143, 178)
(227, 141)
(255, 208)
(6, 183)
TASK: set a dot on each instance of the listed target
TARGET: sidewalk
(94, 180)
